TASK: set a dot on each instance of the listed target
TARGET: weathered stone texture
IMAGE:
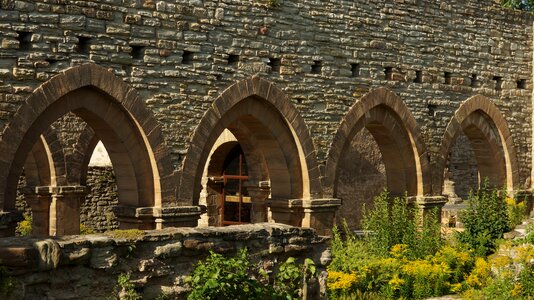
(96, 210)
(158, 261)
(459, 37)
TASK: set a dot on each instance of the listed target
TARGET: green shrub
(24, 227)
(485, 220)
(516, 211)
(395, 221)
(126, 288)
(234, 278)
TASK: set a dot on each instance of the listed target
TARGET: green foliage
(485, 220)
(274, 3)
(234, 278)
(527, 5)
(516, 211)
(127, 288)
(24, 227)
(395, 221)
(86, 230)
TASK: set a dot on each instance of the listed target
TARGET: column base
(147, 218)
(427, 204)
(286, 211)
(320, 214)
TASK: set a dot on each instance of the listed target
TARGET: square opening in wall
(25, 40)
(275, 64)
(138, 52)
(233, 59)
(418, 77)
(316, 67)
(522, 84)
(474, 81)
(84, 45)
(498, 82)
(448, 77)
(187, 57)
(355, 70)
(388, 73)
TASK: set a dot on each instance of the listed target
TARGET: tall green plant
(395, 221)
(485, 220)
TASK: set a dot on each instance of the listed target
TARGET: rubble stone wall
(158, 261)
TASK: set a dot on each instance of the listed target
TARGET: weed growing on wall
(126, 288)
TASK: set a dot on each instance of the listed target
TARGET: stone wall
(158, 261)
(180, 54)
(96, 212)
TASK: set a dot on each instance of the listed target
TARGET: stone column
(429, 203)
(319, 214)
(40, 205)
(258, 195)
(213, 202)
(65, 209)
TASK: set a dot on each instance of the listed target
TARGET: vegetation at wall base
(220, 277)
(527, 5)
(403, 255)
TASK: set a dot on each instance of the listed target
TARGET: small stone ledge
(156, 259)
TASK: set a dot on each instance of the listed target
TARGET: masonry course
(433, 54)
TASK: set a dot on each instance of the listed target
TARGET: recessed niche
(388, 73)
(138, 52)
(275, 64)
(355, 70)
(84, 45)
(448, 77)
(187, 57)
(316, 67)
(418, 77)
(522, 84)
(25, 40)
(233, 59)
(498, 82)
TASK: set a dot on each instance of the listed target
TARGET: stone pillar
(40, 205)
(213, 202)
(65, 208)
(131, 217)
(286, 211)
(320, 214)
(258, 195)
(8, 222)
(428, 203)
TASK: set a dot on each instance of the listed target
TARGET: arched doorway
(479, 122)
(118, 118)
(382, 123)
(275, 143)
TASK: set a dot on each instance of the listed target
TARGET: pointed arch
(118, 116)
(261, 116)
(399, 139)
(482, 122)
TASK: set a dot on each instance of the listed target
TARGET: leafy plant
(527, 5)
(219, 277)
(127, 288)
(24, 227)
(395, 221)
(516, 211)
(485, 220)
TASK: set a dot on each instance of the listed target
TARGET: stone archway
(271, 132)
(398, 138)
(119, 118)
(488, 133)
